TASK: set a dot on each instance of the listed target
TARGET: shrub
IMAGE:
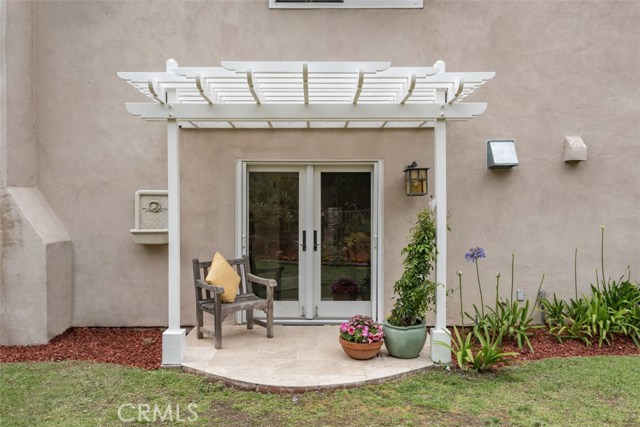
(613, 308)
(479, 350)
(508, 318)
(415, 291)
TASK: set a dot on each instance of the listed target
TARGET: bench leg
(217, 324)
(269, 312)
(217, 333)
(199, 323)
(250, 319)
(270, 322)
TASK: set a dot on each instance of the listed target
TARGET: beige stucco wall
(36, 253)
(563, 68)
(21, 159)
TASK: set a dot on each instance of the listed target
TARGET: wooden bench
(208, 298)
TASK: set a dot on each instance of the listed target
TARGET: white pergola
(277, 95)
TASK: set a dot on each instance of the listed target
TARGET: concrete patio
(296, 360)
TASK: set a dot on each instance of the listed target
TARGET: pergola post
(174, 338)
(440, 353)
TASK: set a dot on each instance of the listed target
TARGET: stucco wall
(21, 153)
(36, 254)
(563, 68)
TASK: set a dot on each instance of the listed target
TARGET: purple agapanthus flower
(474, 254)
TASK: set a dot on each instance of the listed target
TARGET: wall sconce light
(501, 154)
(415, 180)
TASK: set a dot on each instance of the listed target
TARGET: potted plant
(406, 328)
(344, 289)
(361, 337)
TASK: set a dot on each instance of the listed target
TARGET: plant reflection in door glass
(346, 236)
(273, 230)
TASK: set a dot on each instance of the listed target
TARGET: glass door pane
(274, 220)
(345, 250)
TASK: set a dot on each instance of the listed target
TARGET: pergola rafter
(276, 95)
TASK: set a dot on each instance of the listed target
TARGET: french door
(312, 228)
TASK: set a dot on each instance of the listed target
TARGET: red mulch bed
(142, 347)
(545, 345)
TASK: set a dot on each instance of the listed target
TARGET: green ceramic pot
(405, 342)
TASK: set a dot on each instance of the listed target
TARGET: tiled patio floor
(296, 359)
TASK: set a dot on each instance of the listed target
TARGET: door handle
(304, 241)
(315, 240)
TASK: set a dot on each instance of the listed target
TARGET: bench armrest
(270, 283)
(207, 287)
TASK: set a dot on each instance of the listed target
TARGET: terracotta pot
(360, 351)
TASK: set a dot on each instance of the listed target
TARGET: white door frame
(377, 220)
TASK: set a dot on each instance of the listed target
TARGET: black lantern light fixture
(415, 180)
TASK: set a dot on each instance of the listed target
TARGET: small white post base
(439, 352)
(173, 347)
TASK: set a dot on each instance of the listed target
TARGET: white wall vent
(501, 154)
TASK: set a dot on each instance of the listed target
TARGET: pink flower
(361, 329)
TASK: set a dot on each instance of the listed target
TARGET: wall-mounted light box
(575, 150)
(501, 154)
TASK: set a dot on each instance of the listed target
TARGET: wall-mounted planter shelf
(151, 221)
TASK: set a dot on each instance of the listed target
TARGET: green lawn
(598, 391)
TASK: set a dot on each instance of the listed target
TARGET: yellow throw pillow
(222, 274)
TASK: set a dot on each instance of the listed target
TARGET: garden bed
(142, 347)
(139, 347)
(546, 345)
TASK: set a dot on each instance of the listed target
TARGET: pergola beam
(305, 82)
(301, 112)
(251, 82)
(359, 86)
(412, 86)
(204, 91)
